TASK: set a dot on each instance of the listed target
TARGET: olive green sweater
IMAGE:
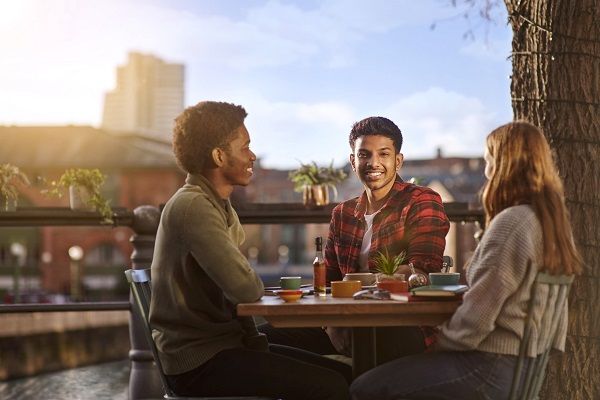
(504, 266)
(198, 276)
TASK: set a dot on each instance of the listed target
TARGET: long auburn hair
(524, 173)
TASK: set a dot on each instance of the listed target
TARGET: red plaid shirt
(412, 219)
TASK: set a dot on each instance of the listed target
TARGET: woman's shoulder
(521, 214)
(517, 221)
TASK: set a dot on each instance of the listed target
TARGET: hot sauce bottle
(319, 271)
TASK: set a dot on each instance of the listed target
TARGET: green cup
(290, 282)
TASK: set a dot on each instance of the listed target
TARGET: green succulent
(388, 264)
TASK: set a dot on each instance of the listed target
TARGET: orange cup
(345, 288)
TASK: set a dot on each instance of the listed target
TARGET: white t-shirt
(363, 259)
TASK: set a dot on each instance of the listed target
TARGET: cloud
(440, 118)
(286, 133)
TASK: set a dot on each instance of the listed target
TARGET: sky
(305, 70)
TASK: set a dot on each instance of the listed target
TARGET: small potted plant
(387, 265)
(10, 177)
(387, 277)
(314, 182)
(84, 190)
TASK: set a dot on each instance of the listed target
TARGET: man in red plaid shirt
(403, 216)
(391, 215)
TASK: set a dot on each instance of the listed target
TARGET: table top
(331, 311)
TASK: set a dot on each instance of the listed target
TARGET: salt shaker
(416, 279)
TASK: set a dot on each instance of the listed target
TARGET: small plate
(289, 296)
(273, 288)
(271, 291)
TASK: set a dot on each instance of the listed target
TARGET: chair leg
(537, 384)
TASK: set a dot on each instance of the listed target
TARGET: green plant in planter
(388, 265)
(10, 176)
(314, 181)
(86, 180)
(312, 174)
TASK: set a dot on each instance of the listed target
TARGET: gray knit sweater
(198, 276)
(492, 315)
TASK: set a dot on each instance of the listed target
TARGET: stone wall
(33, 343)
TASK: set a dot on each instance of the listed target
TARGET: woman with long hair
(528, 230)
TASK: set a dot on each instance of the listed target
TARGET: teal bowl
(444, 278)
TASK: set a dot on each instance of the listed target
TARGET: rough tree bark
(556, 85)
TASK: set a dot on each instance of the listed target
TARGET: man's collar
(361, 205)
(206, 185)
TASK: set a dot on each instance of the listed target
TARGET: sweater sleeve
(206, 235)
(500, 266)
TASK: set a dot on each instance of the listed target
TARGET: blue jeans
(442, 375)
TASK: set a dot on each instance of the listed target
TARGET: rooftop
(81, 146)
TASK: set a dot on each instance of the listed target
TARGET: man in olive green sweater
(199, 276)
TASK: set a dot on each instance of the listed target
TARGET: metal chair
(558, 291)
(139, 281)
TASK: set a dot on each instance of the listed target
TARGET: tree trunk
(556, 85)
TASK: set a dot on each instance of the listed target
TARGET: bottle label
(320, 279)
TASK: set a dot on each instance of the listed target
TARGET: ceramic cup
(444, 278)
(345, 288)
(290, 282)
(366, 278)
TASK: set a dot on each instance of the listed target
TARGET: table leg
(363, 350)
(383, 348)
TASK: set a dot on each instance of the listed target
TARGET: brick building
(139, 171)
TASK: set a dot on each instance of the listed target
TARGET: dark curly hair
(376, 126)
(201, 128)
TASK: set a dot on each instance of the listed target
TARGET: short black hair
(376, 126)
(201, 128)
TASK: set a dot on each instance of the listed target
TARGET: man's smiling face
(239, 159)
(375, 161)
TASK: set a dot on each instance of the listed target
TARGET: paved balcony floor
(101, 381)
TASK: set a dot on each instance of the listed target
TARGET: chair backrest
(139, 281)
(558, 291)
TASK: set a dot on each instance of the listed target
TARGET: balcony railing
(249, 213)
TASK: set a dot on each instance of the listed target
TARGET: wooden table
(364, 316)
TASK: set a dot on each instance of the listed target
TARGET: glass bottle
(319, 270)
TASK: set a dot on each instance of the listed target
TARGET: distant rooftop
(81, 146)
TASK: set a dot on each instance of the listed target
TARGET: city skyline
(305, 71)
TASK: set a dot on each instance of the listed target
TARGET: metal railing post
(144, 381)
